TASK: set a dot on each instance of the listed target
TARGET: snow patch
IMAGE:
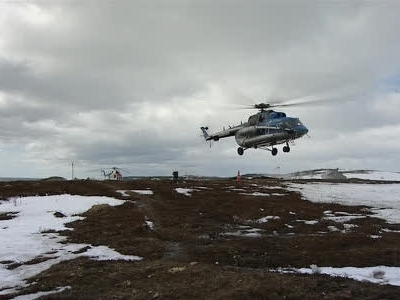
(380, 274)
(384, 198)
(29, 238)
(184, 191)
(143, 192)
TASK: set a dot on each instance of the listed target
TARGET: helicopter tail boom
(231, 131)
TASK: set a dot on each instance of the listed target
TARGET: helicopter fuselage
(114, 174)
(270, 132)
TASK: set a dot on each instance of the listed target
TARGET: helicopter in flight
(263, 130)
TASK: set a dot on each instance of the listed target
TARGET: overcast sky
(129, 83)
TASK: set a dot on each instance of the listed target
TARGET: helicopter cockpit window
(298, 122)
(290, 123)
(277, 115)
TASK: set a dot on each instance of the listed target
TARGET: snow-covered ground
(379, 274)
(356, 174)
(385, 202)
(29, 235)
(141, 192)
(184, 191)
(373, 175)
(384, 198)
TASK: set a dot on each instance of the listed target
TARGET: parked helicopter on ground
(114, 174)
(263, 130)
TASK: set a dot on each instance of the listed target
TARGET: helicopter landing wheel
(274, 151)
(286, 149)
(240, 151)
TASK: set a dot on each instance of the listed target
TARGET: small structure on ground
(175, 175)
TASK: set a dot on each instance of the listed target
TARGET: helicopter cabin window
(260, 131)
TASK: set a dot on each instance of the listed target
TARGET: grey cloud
(130, 82)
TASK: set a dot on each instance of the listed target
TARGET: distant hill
(373, 175)
(54, 178)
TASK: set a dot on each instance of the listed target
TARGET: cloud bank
(129, 83)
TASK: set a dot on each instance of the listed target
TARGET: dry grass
(193, 252)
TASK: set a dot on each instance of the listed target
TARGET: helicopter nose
(300, 130)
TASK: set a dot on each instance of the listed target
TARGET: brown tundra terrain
(206, 242)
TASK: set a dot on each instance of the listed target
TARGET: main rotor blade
(300, 102)
(332, 98)
(306, 102)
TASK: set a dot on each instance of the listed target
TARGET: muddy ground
(203, 246)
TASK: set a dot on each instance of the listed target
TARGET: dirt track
(201, 246)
